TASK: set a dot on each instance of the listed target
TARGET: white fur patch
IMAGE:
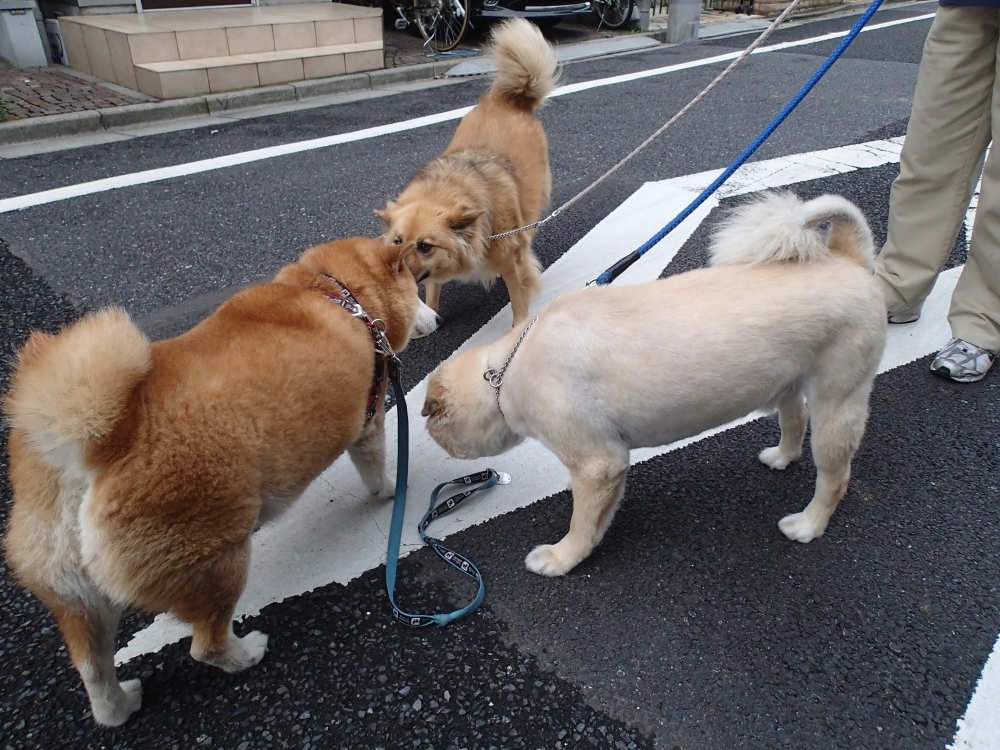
(98, 565)
(426, 322)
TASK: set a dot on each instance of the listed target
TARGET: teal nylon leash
(478, 482)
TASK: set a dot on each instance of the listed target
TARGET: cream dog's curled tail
(69, 390)
(780, 227)
(526, 67)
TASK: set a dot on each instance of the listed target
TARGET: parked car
(544, 13)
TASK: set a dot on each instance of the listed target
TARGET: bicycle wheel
(613, 13)
(441, 22)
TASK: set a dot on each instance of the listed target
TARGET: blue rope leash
(478, 482)
(618, 268)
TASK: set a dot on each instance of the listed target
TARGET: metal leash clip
(377, 327)
(493, 377)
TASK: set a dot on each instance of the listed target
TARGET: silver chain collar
(376, 326)
(495, 377)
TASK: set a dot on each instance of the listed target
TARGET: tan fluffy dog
(493, 177)
(141, 470)
(788, 314)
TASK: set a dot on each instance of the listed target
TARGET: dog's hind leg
(598, 486)
(368, 456)
(209, 608)
(793, 416)
(89, 628)
(837, 427)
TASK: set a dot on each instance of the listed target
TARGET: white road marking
(979, 729)
(338, 533)
(222, 162)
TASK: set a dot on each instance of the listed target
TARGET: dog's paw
(240, 653)
(254, 646)
(386, 488)
(772, 457)
(126, 703)
(799, 528)
(545, 561)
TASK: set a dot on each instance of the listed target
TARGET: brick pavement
(50, 91)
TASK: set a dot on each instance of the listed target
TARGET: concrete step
(126, 48)
(173, 79)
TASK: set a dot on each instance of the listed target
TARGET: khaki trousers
(956, 108)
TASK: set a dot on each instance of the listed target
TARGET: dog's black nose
(438, 320)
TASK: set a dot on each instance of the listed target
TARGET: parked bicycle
(444, 23)
(613, 14)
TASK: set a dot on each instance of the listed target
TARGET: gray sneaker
(962, 362)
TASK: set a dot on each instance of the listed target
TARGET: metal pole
(643, 6)
(683, 18)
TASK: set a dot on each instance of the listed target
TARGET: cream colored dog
(788, 314)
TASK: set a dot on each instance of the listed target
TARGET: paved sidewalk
(52, 91)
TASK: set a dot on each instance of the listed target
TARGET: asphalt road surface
(695, 624)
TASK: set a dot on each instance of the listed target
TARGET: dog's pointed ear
(385, 214)
(435, 398)
(395, 254)
(431, 407)
(464, 219)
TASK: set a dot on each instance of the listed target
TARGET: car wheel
(612, 13)
(441, 22)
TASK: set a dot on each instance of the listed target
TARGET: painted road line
(339, 533)
(246, 157)
(979, 728)
(779, 47)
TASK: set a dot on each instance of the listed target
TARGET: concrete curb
(92, 121)
(53, 126)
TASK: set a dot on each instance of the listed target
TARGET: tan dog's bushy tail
(780, 227)
(526, 67)
(69, 390)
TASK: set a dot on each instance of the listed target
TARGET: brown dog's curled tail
(69, 390)
(526, 67)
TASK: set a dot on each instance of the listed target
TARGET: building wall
(22, 34)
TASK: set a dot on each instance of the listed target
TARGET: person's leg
(975, 304)
(942, 156)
